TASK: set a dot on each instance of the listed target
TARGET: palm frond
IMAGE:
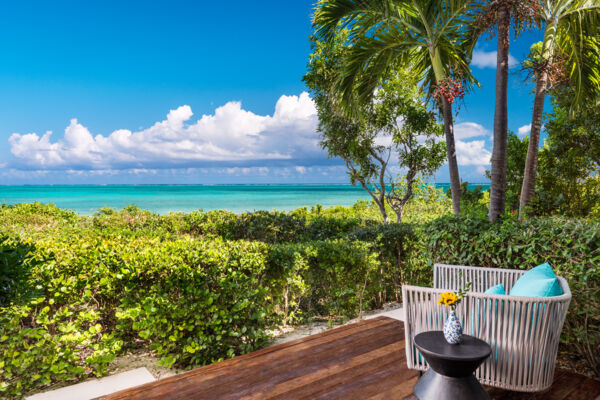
(384, 34)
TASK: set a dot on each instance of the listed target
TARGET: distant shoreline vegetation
(437, 184)
(162, 198)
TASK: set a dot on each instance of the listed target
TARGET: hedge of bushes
(194, 288)
(199, 287)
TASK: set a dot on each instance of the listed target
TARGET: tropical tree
(393, 131)
(568, 179)
(500, 14)
(427, 36)
(569, 55)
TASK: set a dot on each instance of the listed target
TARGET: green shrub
(41, 345)
(571, 246)
(16, 263)
(399, 252)
(197, 302)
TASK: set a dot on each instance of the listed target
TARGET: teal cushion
(498, 289)
(537, 282)
(485, 311)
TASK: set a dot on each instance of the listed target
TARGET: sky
(194, 92)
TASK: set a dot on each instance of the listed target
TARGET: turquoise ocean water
(85, 199)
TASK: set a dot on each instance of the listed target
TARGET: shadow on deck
(365, 360)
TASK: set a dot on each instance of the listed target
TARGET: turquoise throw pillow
(537, 282)
(498, 289)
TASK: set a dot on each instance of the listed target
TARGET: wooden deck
(365, 360)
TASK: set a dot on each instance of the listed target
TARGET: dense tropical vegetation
(428, 37)
(433, 41)
(566, 57)
(76, 292)
(395, 130)
(199, 287)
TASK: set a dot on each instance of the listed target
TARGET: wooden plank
(587, 390)
(268, 373)
(403, 388)
(365, 360)
(275, 364)
(563, 386)
(332, 375)
(371, 377)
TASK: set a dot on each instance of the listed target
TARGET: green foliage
(427, 204)
(192, 288)
(200, 287)
(399, 249)
(571, 246)
(16, 263)
(569, 162)
(428, 36)
(472, 201)
(371, 137)
(196, 302)
(41, 344)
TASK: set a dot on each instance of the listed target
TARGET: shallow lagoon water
(85, 199)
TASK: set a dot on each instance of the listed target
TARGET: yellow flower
(448, 298)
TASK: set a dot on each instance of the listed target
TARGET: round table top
(433, 343)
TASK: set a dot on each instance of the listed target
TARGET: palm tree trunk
(528, 188)
(451, 149)
(499, 156)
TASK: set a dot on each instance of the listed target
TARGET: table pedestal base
(433, 386)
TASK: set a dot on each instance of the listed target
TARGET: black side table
(450, 375)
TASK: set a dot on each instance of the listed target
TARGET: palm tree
(500, 13)
(428, 36)
(570, 47)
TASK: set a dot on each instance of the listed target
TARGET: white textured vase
(453, 329)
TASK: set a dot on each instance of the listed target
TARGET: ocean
(85, 199)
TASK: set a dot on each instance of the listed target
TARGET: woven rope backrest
(454, 277)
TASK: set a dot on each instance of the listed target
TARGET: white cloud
(230, 142)
(487, 59)
(524, 130)
(466, 130)
(231, 136)
(472, 153)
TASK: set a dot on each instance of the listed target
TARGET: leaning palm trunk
(571, 31)
(499, 157)
(451, 149)
(528, 188)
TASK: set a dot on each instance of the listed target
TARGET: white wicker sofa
(523, 332)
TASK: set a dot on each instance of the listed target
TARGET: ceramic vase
(452, 329)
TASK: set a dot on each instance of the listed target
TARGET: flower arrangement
(452, 327)
(453, 299)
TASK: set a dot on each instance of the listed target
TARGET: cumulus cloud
(231, 136)
(466, 130)
(487, 59)
(524, 130)
(472, 153)
(230, 142)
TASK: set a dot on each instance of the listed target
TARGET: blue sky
(187, 92)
